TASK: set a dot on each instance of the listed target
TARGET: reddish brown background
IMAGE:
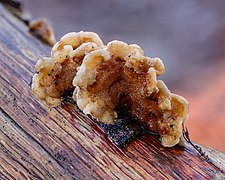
(189, 36)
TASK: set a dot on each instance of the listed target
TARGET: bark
(37, 142)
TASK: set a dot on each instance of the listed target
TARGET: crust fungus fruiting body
(42, 30)
(107, 77)
(120, 73)
(55, 75)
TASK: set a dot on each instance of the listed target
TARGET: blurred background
(189, 36)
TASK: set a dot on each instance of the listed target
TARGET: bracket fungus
(55, 75)
(104, 77)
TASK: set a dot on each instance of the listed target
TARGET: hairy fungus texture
(106, 77)
(55, 75)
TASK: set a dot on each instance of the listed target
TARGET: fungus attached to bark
(55, 75)
(106, 77)
(121, 73)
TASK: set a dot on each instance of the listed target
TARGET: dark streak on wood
(61, 143)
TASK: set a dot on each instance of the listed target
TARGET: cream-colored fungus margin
(77, 56)
(174, 108)
(67, 55)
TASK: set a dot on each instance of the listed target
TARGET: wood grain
(60, 143)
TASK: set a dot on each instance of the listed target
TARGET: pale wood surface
(59, 143)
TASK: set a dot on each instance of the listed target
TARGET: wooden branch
(59, 143)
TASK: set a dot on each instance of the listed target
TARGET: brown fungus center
(127, 89)
(121, 76)
(105, 78)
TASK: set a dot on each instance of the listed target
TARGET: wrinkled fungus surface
(106, 77)
(55, 75)
(120, 73)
